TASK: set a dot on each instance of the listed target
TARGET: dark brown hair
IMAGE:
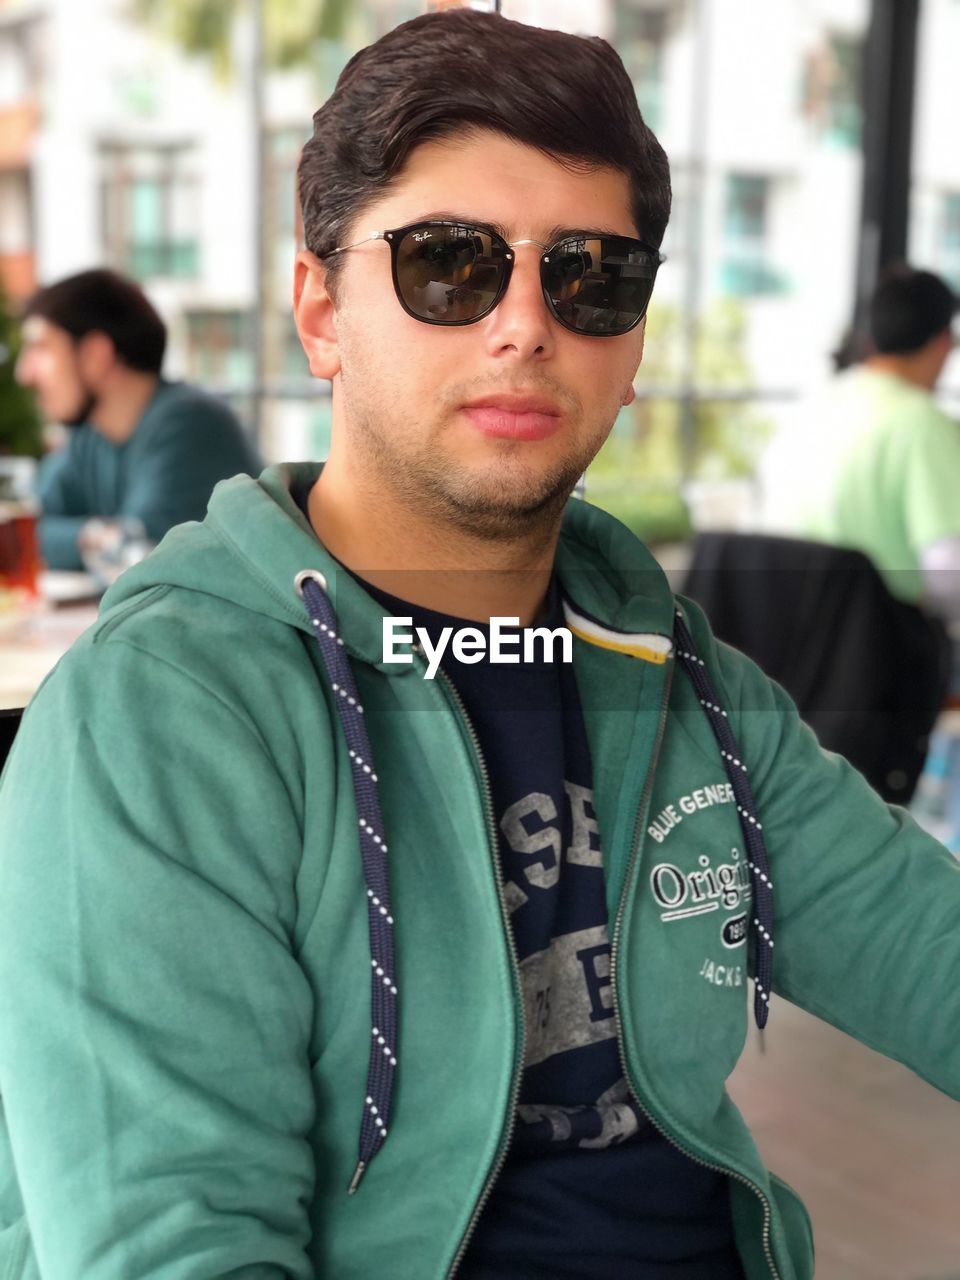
(908, 308)
(568, 96)
(104, 302)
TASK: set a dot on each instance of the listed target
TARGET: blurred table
(33, 642)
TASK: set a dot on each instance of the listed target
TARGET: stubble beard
(82, 413)
(86, 402)
(502, 500)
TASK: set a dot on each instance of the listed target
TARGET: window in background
(763, 138)
(150, 209)
(280, 237)
(387, 14)
(328, 57)
(294, 366)
(844, 103)
(844, 112)
(17, 267)
(283, 150)
(20, 86)
(280, 210)
(832, 88)
(219, 349)
(934, 230)
(290, 405)
(19, 61)
(640, 39)
(745, 269)
(16, 215)
(949, 246)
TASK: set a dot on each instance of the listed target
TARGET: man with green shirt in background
(143, 448)
(876, 464)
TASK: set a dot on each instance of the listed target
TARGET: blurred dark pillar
(258, 312)
(889, 71)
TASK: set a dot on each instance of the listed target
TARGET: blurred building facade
(21, 73)
(117, 148)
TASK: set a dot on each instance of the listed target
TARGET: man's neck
(120, 407)
(914, 370)
(445, 569)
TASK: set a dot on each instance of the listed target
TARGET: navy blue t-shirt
(590, 1189)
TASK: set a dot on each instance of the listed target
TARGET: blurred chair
(9, 724)
(868, 673)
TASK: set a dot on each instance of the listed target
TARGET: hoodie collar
(255, 540)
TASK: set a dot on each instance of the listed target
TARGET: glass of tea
(19, 544)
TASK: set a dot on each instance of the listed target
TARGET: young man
(314, 966)
(142, 447)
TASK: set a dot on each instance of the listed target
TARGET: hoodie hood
(255, 540)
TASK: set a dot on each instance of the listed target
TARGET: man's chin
(506, 509)
(80, 414)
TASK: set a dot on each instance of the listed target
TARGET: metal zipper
(506, 1135)
(614, 952)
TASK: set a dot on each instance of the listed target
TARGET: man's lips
(515, 417)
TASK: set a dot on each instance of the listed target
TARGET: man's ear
(96, 356)
(315, 315)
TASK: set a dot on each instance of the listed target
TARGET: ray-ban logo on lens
(422, 235)
(506, 642)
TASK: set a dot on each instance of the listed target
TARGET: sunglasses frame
(394, 236)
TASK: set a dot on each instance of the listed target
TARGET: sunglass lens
(449, 274)
(600, 285)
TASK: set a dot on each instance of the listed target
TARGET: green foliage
(725, 435)
(20, 426)
(638, 473)
(205, 27)
(654, 515)
(198, 26)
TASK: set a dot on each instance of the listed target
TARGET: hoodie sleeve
(154, 1020)
(866, 904)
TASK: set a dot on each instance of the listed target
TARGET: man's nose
(521, 325)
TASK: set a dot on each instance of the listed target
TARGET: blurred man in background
(876, 464)
(143, 449)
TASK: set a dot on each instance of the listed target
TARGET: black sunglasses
(455, 273)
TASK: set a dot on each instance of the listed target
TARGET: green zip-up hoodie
(184, 956)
